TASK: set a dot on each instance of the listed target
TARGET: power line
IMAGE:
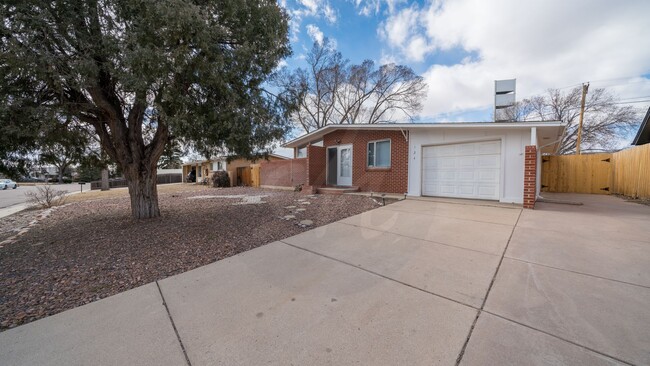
(630, 98)
(632, 102)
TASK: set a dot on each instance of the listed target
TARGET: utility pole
(585, 88)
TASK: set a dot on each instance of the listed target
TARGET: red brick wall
(316, 156)
(283, 173)
(389, 180)
(530, 176)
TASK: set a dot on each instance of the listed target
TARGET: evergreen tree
(141, 72)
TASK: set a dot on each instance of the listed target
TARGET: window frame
(374, 157)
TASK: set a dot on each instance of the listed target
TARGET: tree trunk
(143, 191)
(105, 184)
(61, 170)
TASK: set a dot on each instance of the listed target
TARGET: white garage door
(471, 170)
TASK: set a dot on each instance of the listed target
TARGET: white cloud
(387, 58)
(311, 5)
(329, 13)
(373, 7)
(544, 44)
(308, 9)
(315, 33)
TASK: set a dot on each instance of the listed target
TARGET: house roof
(195, 162)
(318, 134)
(643, 136)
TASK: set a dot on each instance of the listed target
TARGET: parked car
(7, 183)
(191, 177)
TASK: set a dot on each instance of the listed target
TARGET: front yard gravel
(89, 250)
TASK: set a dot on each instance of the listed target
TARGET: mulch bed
(89, 250)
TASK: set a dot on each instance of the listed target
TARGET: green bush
(220, 179)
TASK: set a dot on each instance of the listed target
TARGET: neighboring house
(643, 136)
(45, 172)
(238, 169)
(485, 160)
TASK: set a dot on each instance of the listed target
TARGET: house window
(219, 165)
(301, 152)
(379, 154)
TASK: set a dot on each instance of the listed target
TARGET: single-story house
(237, 168)
(498, 161)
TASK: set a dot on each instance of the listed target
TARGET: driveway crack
(487, 293)
(178, 336)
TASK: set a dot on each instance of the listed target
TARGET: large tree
(605, 120)
(333, 91)
(141, 72)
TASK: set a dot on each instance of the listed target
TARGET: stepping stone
(305, 223)
(290, 207)
(305, 203)
(289, 217)
(301, 209)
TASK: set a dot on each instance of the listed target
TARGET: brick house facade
(474, 160)
(393, 179)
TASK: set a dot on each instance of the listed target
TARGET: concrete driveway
(412, 283)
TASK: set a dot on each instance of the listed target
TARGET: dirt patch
(93, 249)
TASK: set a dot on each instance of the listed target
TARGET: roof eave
(412, 126)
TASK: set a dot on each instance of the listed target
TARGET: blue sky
(460, 47)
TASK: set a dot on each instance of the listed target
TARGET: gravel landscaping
(89, 250)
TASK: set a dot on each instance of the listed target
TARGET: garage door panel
(488, 161)
(489, 147)
(469, 170)
(485, 175)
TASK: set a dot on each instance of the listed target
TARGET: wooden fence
(631, 172)
(255, 175)
(577, 173)
(626, 172)
(121, 182)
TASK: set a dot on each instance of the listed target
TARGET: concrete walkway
(412, 283)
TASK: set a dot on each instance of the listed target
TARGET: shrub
(220, 179)
(297, 188)
(46, 197)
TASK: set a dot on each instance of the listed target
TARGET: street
(10, 197)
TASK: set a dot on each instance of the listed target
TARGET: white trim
(533, 136)
(315, 135)
(390, 154)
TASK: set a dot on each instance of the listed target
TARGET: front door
(344, 166)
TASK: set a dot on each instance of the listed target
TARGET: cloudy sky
(462, 46)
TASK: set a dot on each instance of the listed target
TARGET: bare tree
(605, 121)
(332, 91)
